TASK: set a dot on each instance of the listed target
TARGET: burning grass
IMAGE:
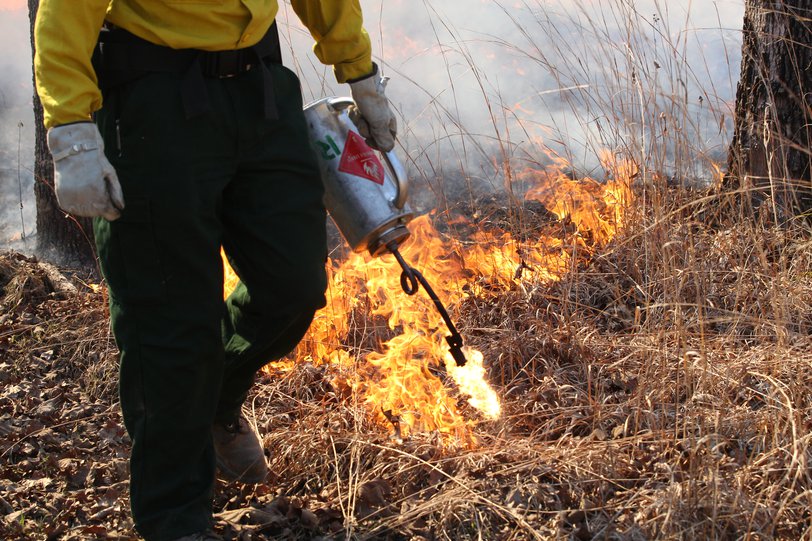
(659, 388)
(646, 395)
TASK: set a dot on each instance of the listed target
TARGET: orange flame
(390, 347)
(596, 208)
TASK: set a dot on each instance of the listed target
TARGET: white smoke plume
(16, 131)
(478, 82)
(481, 83)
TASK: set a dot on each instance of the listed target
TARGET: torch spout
(410, 280)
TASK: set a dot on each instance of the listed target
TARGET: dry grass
(660, 394)
(660, 397)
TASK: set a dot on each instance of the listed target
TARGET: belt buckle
(224, 64)
(229, 63)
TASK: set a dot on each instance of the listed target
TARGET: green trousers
(227, 178)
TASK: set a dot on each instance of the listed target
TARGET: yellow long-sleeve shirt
(66, 31)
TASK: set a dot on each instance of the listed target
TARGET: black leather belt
(224, 64)
(121, 56)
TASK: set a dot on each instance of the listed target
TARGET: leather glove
(371, 113)
(86, 184)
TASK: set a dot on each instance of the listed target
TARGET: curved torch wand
(410, 280)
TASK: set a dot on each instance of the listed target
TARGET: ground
(659, 390)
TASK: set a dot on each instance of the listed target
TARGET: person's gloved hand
(371, 113)
(86, 184)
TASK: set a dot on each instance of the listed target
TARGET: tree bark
(61, 239)
(769, 155)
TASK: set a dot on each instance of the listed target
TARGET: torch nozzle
(456, 350)
(410, 280)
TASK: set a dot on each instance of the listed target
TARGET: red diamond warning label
(360, 160)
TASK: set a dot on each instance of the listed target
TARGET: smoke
(480, 83)
(17, 209)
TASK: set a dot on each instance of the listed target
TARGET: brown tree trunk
(769, 155)
(61, 239)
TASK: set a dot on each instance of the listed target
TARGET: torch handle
(390, 158)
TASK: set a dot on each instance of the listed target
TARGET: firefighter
(175, 125)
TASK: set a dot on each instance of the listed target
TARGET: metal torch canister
(366, 200)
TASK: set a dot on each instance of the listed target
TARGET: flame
(470, 378)
(390, 347)
(595, 208)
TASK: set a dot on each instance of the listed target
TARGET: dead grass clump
(674, 273)
(59, 319)
(24, 283)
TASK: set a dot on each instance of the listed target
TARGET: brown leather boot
(239, 451)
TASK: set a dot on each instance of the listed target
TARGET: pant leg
(162, 265)
(275, 238)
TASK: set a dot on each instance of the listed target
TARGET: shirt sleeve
(65, 34)
(341, 41)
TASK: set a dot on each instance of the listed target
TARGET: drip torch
(366, 200)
